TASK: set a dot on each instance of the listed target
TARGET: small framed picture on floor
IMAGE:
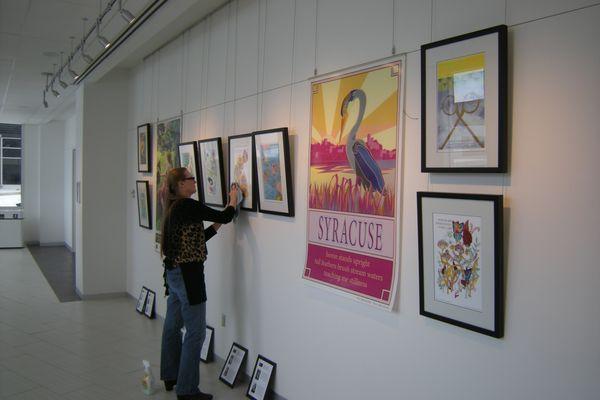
(142, 300)
(149, 308)
(206, 353)
(263, 374)
(234, 361)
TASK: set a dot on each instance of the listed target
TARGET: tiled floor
(80, 350)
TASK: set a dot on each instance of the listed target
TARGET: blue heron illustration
(368, 172)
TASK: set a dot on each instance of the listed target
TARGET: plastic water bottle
(148, 383)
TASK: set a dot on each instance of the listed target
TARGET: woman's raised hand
(233, 196)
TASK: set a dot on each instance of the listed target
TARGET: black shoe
(169, 385)
(199, 396)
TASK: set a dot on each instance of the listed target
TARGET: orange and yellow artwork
(354, 142)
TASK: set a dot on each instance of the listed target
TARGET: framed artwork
(460, 260)
(233, 363)
(260, 384)
(353, 217)
(273, 172)
(241, 168)
(141, 303)
(149, 307)
(143, 198)
(212, 178)
(144, 148)
(188, 159)
(207, 351)
(463, 103)
(168, 135)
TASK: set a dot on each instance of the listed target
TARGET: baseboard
(32, 243)
(69, 248)
(52, 244)
(101, 296)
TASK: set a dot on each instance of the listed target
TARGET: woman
(183, 245)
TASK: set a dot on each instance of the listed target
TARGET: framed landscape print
(460, 260)
(188, 159)
(233, 363)
(143, 198)
(144, 148)
(273, 172)
(241, 168)
(212, 178)
(262, 379)
(463, 103)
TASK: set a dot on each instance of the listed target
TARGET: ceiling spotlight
(103, 41)
(44, 99)
(62, 83)
(54, 91)
(73, 74)
(87, 58)
(127, 16)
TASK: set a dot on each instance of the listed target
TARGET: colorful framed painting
(273, 172)
(212, 178)
(168, 136)
(460, 260)
(143, 198)
(188, 159)
(262, 378)
(144, 148)
(463, 103)
(354, 190)
(233, 364)
(241, 168)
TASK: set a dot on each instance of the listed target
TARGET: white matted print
(241, 167)
(212, 179)
(273, 172)
(188, 159)
(235, 359)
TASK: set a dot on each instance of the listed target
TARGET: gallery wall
(248, 67)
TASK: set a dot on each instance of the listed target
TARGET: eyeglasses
(189, 178)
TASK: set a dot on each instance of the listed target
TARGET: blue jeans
(179, 361)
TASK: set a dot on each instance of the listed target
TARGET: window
(10, 165)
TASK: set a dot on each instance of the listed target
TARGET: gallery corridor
(80, 350)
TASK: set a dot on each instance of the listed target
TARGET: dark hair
(168, 195)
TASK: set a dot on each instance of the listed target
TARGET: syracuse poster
(353, 190)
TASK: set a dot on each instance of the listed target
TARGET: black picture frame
(149, 307)
(143, 200)
(144, 147)
(461, 273)
(261, 380)
(212, 199)
(233, 364)
(207, 350)
(483, 153)
(285, 205)
(188, 154)
(141, 302)
(237, 143)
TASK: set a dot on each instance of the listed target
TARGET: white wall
(100, 124)
(52, 185)
(248, 67)
(31, 183)
(70, 133)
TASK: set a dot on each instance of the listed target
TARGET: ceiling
(34, 32)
